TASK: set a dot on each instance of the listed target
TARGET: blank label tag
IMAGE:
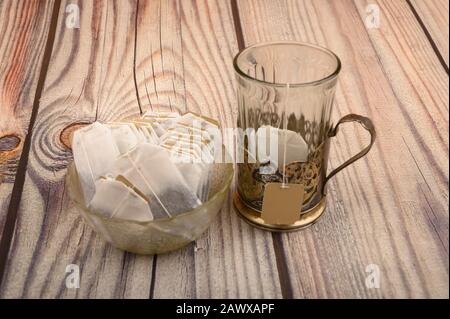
(282, 205)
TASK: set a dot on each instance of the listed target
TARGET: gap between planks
(20, 177)
(14, 204)
(428, 36)
(282, 267)
(285, 282)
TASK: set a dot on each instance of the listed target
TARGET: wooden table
(386, 213)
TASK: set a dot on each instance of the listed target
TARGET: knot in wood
(9, 142)
(67, 133)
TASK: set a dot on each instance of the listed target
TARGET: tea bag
(186, 132)
(181, 155)
(194, 170)
(158, 128)
(196, 133)
(190, 118)
(149, 169)
(160, 120)
(161, 115)
(144, 135)
(203, 151)
(148, 130)
(199, 136)
(125, 135)
(94, 153)
(200, 124)
(115, 199)
(271, 147)
(193, 174)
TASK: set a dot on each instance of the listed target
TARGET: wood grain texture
(90, 77)
(184, 62)
(24, 28)
(435, 15)
(391, 208)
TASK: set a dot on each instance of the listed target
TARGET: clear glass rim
(327, 78)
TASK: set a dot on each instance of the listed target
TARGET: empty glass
(287, 86)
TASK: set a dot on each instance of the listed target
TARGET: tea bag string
(285, 136)
(148, 184)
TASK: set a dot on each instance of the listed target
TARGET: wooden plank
(391, 208)
(434, 16)
(187, 61)
(24, 27)
(50, 234)
(90, 77)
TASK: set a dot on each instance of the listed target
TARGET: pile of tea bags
(153, 167)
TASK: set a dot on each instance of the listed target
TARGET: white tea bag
(142, 135)
(125, 136)
(149, 169)
(94, 153)
(180, 133)
(270, 146)
(193, 174)
(196, 122)
(160, 115)
(192, 166)
(181, 155)
(114, 199)
(158, 128)
(200, 138)
(185, 131)
(203, 150)
(147, 131)
(195, 171)
(190, 118)
(161, 120)
(185, 138)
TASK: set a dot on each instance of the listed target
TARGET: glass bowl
(160, 235)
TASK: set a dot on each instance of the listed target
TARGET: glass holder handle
(367, 124)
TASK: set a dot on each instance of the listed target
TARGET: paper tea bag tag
(282, 204)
